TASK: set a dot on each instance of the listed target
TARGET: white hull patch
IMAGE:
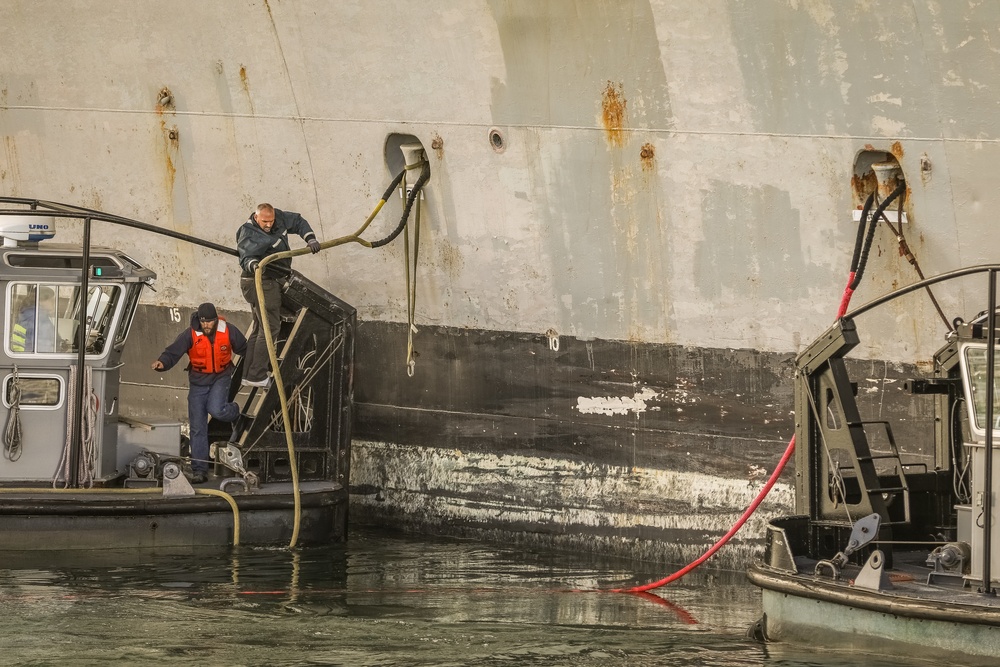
(650, 513)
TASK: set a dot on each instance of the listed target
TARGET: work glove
(313, 245)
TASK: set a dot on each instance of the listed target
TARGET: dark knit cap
(206, 311)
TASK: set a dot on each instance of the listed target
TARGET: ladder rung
(889, 490)
(879, 457)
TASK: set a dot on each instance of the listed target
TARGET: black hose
(859, 242)
(393, 185)
(425, 173)
(900, 189)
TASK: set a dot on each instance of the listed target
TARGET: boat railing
(50, 209)
(991, 271)
(43, 208)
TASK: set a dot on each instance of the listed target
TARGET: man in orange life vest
(209, 342)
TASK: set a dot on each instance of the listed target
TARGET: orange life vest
(206, 357)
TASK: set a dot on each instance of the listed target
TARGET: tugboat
(78, 473)
(886, 552)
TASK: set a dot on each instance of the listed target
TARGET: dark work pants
(255, 363)
(205, 400)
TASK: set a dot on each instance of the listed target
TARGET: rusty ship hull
(637, 214)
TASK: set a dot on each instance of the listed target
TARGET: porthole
(497, 141)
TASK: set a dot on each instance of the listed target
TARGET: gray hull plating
(788, 616)
(668, 182)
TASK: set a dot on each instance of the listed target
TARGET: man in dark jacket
(209, 342)
(266, 233)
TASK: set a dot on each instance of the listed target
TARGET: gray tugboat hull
(78, 521)
(807, 610)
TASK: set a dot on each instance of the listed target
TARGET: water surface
(381, 599)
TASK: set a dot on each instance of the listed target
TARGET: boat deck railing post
(76, 438)
(987, 588)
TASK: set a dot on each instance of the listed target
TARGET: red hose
(725, 538)
(845, 301)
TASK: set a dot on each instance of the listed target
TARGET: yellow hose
(232, 503)
(272, 353)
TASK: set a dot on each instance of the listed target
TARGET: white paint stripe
(433, 482)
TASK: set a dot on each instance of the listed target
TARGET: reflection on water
(379, 600)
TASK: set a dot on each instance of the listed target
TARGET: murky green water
(378, 600)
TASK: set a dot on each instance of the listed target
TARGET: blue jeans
(205, 400)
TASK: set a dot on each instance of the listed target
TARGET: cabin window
(36, 391)
(128, 313)
(47, 261)
(975, 360)
(42, 317)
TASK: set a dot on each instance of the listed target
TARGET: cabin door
(33, 452)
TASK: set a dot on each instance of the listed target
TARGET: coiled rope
(12, 433)
(88, 430)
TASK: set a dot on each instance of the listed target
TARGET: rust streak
(897, 150)
(164, 101)
(614, 109)
(863, 186)
(10, 150)
(648, 157)
(171, 169)
(245, 83)
(925, 169)
(96, 202)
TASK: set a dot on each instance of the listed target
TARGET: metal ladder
(251, 409)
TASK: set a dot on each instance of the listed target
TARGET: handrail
(991, 270)
(902, 291)
(991, 341)
(57, 210)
